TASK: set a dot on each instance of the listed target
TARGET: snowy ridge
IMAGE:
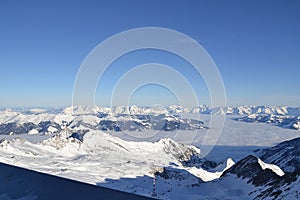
(210, 176)
(272, 167)
(286, 121)
(285, 155)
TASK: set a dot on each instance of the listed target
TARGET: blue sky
(255, 44)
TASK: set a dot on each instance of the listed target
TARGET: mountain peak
(251, 169)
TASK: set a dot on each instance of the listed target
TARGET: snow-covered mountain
(286, 121)
(254, 170)
(277, 180)
(176, 169)
(134, 118)
(100, 157)
(156, 110)
(50, 123)
(274, 173)
(248, 110)
(174, 109)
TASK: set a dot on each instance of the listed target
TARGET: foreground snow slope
(19, 183)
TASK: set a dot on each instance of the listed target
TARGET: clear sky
(255, 44)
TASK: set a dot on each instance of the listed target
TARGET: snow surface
(128, 160)
(33, 131)
(210, 176)
(22, 184)
(272, 167)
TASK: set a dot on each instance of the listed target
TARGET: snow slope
(19, 183)
(101, 157)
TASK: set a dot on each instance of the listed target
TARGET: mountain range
(80, 147)
(134, 118)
